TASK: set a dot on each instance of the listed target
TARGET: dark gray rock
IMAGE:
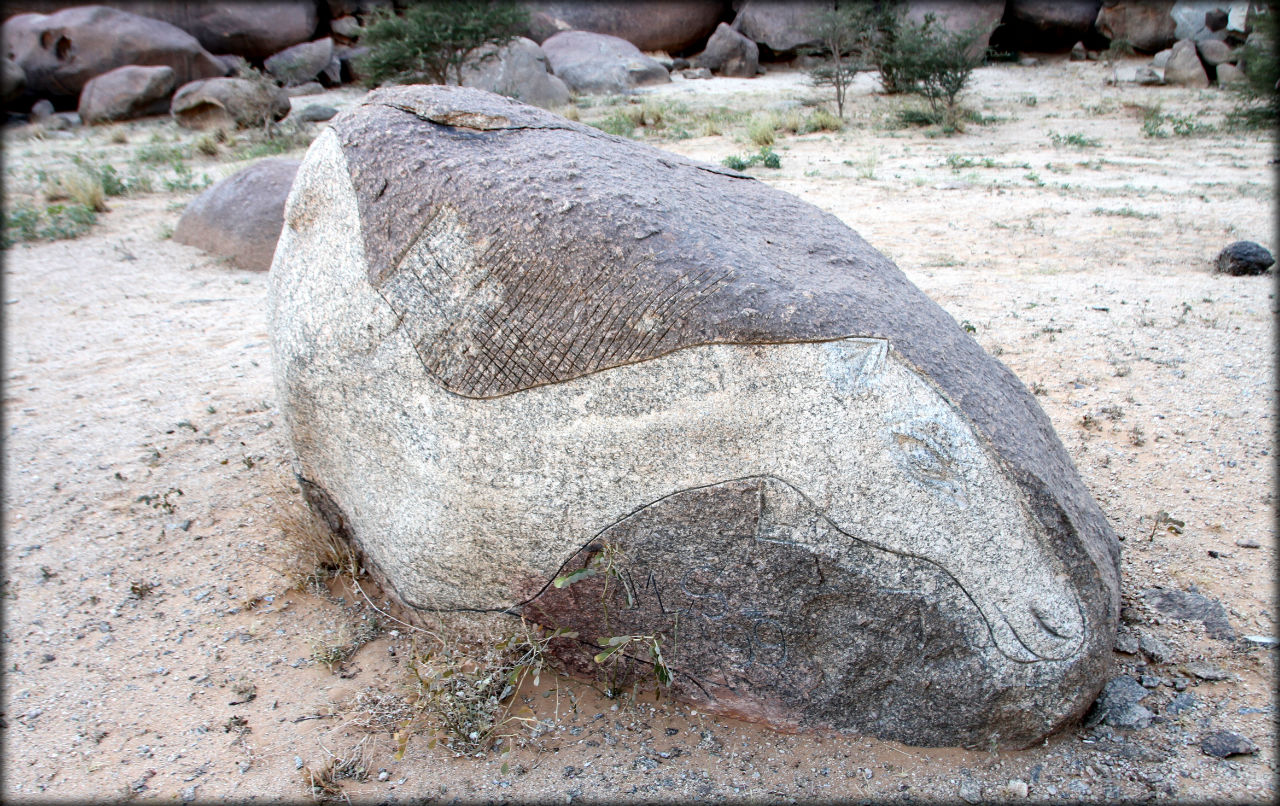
(1181, 704)
(598, 63)
(1155, 649)
(696, 73)
(315, 113)
(959, 16)
(1118, 706)
(783, 26)
(518, 70)
(1127, 643)
(60, 52)
(513, 349)
(1189, 606)
(224, 103)
(302, 62)
(42, 110)
(1078, 52)
(1244, 258)
(241, 216)
(1215, 19)
(729, 53)
(126, 93)
(1049, 25)
(1224, 743)
(674, 26)
(1206, 671)
(1148, 25)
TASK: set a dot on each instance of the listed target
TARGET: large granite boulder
(729, 53)
(675, 26)
(240, 217)
(126, 93)
(960, 16)
(228, 103)
(1049, 25)
(512, 349)
(253, 29)
(518, 69)
(1147, 25)
(598, 63)
(782, 26)
(60, 52)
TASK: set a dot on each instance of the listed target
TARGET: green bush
(848, 37)
(928, 60)
(1258, 99)
(433, 40)
(765, 156)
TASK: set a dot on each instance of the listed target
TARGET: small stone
(1155, 649)
(1078, 52)
(1244, 258)
(297, 762)
(189, 794)
(696, 72)
(1028, 61)
(1180, 683)
(1180, 704)
(1148, 76)
(1127, 643)
(1150, 681)
(1247, 543)
(41, 110)
(1224, 743)
(1262, 640)
(309, 88)
(1206, 671)
(1017, 788)
(970, 791)
(383, 775)
(316, 113)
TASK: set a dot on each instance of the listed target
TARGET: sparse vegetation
(765, 156)
(1075, 140)
(433, 41)
(1258, 97)
(928, 60)
(848, 35)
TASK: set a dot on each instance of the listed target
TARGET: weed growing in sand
(465, 699)
(765, 156)
(1124, 212)
(1075, 140)
(183, 180)
(55, 222)
(1155, 120)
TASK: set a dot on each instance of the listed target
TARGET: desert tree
(434, 40)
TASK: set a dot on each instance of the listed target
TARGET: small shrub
(761, 132)
(928, 60)
(184, 180)
(80, 187)
(20, 222)
(67, 221)
(765, 156)
(820, 120)
(156, 153)
(847, 35)
(1076, 140)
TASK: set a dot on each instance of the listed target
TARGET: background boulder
(517, 70)
(961, 15)
(1147, 25)
(60, 52)
(226, 103)
(303, 62)
(1047, 25)
(240, 217)
(599, 63)
(127, 92)
(782, 26)
(1184, 68)
(675, 26)
(253, 29)
(729, 53)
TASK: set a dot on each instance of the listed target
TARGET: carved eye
(923, 450)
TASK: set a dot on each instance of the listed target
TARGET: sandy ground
(152, 650)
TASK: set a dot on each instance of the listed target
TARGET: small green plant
(928, 60)
(434, 41)
(1124, 212)
(1258, 96)
(762, 132)
(765, 156)
(184, 180)
(847, 36)
(820, 120)
(20, 222)
(159, 154)
(1076, 140)
(67, 221)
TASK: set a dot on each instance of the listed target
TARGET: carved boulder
(515, 351)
